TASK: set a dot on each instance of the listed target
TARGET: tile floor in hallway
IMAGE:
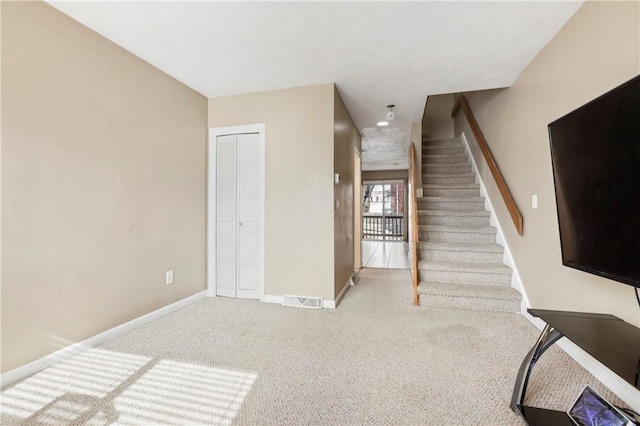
(385, 254)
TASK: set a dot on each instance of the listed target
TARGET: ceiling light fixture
(388, 117)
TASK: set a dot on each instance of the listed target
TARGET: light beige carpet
(376, 360)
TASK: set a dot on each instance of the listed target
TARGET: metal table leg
(547, 338)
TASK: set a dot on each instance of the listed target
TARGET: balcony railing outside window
(376, 227)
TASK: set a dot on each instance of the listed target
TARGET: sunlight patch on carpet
(100, 387)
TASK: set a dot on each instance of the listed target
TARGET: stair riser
(442, 151)
(445, 159)
(470, 303)
(451, 192)
(448, 179)
(468, 278)
(467, 206)
(425, 219)
(446, 169)
(456, 237)
(459, 256)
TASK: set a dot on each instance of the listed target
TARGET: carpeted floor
(376, 360)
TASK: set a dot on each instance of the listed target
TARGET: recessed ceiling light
(382, 123)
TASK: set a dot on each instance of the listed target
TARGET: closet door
(226, 217)
(239, 212)
(249, 209)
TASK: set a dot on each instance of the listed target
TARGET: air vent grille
(302, 302)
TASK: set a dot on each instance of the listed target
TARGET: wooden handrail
(516, 216)
(413, 219)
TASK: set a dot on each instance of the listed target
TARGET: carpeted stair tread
(447, 175)
(448, 179)
(473, 291)
(435, 166)
(476, 247)
(451, 186)
(461, 155)
(461, 199)
(481, 213)
(428, 176)
(457, 229)
(442, 150)
(458, 191)
(483, 268)
(452, 251)
(441, 143)
(440, 140)
(462, 158)
(447, 167)
(446, 153)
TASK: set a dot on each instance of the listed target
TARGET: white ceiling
(377, 53)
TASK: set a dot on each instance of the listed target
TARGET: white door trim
(357, 210)
(214, 132)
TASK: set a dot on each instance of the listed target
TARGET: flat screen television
(595, 152)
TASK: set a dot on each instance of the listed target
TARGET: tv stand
(607, 338)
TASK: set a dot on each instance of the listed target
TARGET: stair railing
(512, 207)
(413, 220)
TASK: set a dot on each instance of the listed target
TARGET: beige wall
(299, 183)
(597, 50)
(437, 122)
(103, 184)
(346, 138)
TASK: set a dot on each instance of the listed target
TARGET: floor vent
(302, 302)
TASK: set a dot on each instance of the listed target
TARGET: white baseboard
(33, 367)
(617, 385)
(270, 298)
(331, 304)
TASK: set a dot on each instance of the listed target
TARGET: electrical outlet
(169, 277)
(534, 201)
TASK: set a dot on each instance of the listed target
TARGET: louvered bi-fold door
(248, 216)
(226, 218)
(238, 210)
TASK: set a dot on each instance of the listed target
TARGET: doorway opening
(383, 213)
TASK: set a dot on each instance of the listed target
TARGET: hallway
(385, 254)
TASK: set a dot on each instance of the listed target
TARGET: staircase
(460, 264)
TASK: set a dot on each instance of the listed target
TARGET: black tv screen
(595, 152)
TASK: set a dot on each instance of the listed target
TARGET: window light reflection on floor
(179, 393)
(100, 387)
